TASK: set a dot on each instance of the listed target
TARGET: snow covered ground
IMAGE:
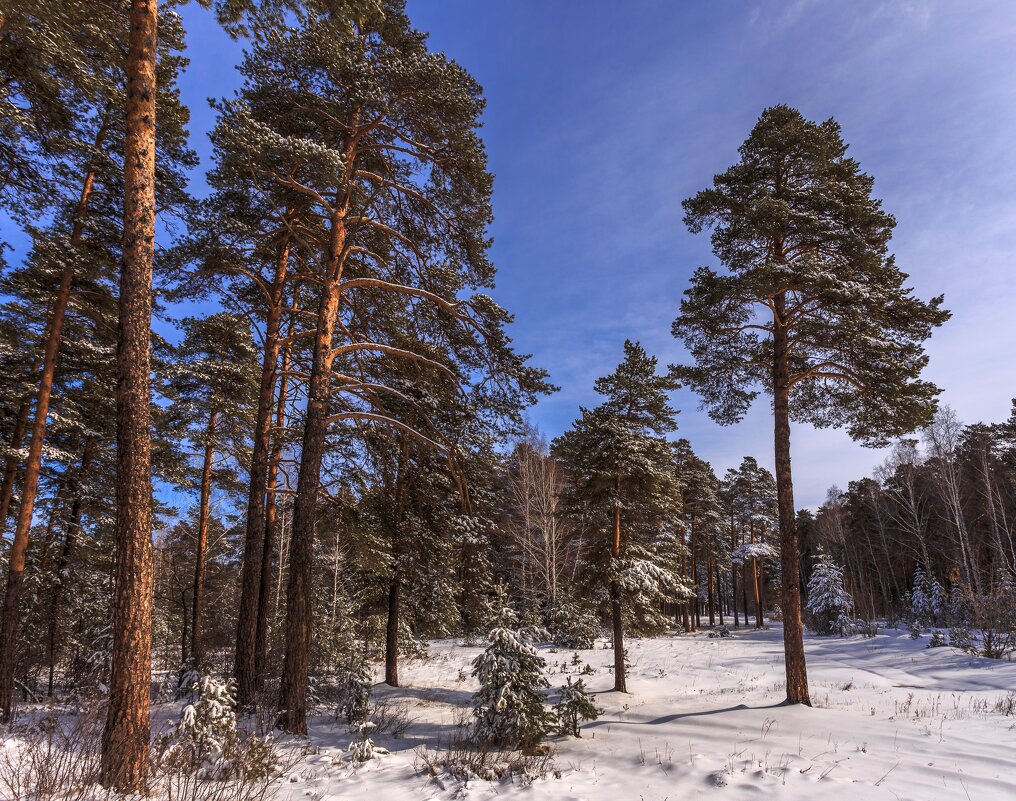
(892, 720)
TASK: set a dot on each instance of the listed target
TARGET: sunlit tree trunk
(125, 740)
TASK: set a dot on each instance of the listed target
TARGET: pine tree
(812, 309)
(385, 154)
(623, 488)
(509, 708)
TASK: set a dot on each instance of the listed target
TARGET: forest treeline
(340, 451)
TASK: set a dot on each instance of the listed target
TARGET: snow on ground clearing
(892, 720)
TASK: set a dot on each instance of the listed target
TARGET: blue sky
(603, 116)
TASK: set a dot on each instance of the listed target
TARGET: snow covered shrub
(463, 759)
(829, 604)
(721, 631)
(937, 640)
(508, 708)
(206, 727)
(354, 692)
(962, 638)
(574, 704)
(206, 744)
(56, 759)
(390, 718)
(362, 748)
(572, 625)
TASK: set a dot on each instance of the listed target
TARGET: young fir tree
(812, 309)
(623, 488)
(509, 708)
(829, 603)
(574, 705)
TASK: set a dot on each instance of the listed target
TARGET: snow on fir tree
(363, 748)
(829, 604)
(206, 732)
(927, 599)
(574, 704)
(508, 708)
(354, 692)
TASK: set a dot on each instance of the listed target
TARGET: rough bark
(793, 630)
(246, 669)
(196, 650)
(125, 740)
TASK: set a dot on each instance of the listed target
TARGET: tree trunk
(185, 636)
(733, 581)
(719, 590)
(293, 691)
(202, 540)
(392, 633)
(793, 631)
(271, 509)
(616, 619)
(758, 599)
(70, 538)
(710, 589)
(246, 665)
(33, 464)
(125, 740)
(744, 590)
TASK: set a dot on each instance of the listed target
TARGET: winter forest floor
(892, 719)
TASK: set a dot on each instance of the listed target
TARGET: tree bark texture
(125, 740)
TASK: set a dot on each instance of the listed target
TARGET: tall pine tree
(623, 486)
(811, 309)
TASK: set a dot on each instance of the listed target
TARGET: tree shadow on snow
(680, 716)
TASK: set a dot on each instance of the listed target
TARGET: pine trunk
(271, 511)
(293, 693)
(392, 633)
(246, 665)
(202, 540)
(125, 740)
(793, 631)
(733, 584)
(710, 590)
(616, 618)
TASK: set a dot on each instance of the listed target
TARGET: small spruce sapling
(573, 706)
(508, 708)
(362, 748)
(829, 604)
(354, 704)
